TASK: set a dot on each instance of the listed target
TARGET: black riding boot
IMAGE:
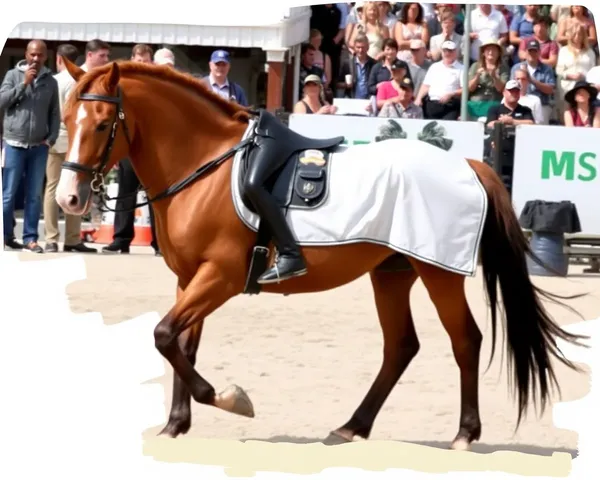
(289, 262)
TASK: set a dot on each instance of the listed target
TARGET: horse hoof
(170, 430)
(461, 445)
(235, 400)
(340, 436)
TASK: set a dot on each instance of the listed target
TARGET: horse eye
(102, 127)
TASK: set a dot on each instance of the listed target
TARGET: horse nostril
(73, 200)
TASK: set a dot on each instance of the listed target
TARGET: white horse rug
(411, 196)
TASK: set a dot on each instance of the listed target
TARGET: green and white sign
(463, 138)
(555, 163)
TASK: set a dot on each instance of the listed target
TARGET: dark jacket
(32, 112)
(348, 67)
(379, 74)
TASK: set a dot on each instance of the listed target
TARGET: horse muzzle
(73, 196)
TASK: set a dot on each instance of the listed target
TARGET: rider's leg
(290, 262)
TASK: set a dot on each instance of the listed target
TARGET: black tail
(530, 331)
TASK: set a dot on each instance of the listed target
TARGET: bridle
(97, 174)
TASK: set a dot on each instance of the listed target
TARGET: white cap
(164, 56)
(512, 84)
(448, 45)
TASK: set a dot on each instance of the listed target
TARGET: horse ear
(111, 79)
(75, 72)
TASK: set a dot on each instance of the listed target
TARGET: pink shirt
(386, 91)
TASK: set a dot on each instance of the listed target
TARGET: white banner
(555, 163)
(464, 138)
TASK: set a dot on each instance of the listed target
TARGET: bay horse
(179, 136)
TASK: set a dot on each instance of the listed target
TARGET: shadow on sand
(475, 447)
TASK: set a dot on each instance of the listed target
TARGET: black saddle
(268, 125)
(290, 149)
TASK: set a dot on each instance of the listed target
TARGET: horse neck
(176, 132)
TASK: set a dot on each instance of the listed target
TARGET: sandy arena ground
(307, 361)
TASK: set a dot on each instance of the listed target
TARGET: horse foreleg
(208, 290)
(180, 417)
(447, 291)
(400, 346)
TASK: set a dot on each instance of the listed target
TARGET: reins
(98, 184)
(172, 190)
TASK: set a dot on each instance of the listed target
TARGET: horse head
(185, 120)
(93, 117)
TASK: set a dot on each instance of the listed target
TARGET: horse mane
(168, 74)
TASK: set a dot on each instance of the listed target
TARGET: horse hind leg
(446, 290)
(400, 346)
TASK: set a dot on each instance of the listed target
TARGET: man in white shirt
(56, 157)
(442, 85)
(528, 100)
(486, 23)
(97, 53)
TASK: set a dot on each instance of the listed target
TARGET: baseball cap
(397, 64)
(219, 56)
(448, 45)
(512, 85)
(533, 44)
(407, 83)
(164, 56)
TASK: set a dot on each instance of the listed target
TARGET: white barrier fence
(556, 164)
(464, 138)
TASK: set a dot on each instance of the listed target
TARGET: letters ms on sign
(569, 165)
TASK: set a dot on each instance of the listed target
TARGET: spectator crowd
(407, 59)
(34, 142)
(526, 64)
